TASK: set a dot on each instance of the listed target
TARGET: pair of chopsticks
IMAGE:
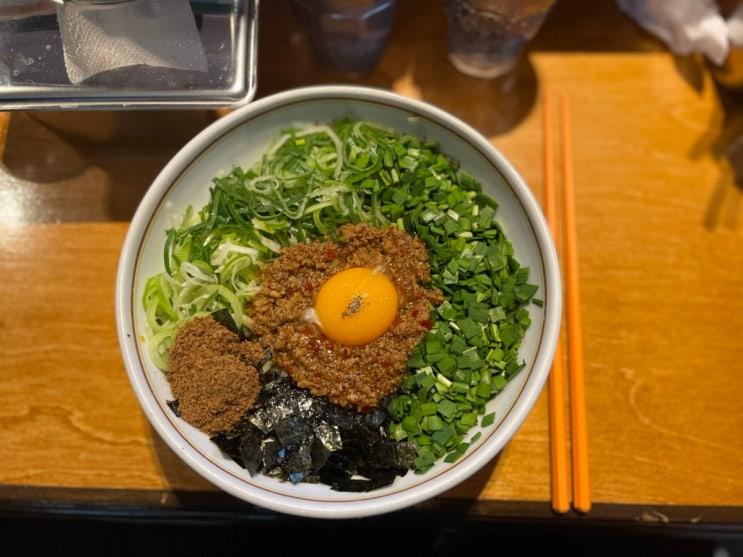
(581, 497)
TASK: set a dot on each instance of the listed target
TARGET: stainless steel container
(83, 54)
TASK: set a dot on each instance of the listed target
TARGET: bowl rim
(517, 413)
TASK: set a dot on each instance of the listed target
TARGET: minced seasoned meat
(212, 374)
(351, 376)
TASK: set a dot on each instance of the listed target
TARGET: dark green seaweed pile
(293, 435)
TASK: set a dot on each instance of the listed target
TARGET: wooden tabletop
(660, 231)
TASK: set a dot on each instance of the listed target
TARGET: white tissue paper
(735, 26)
(686, 26)
(99, 37)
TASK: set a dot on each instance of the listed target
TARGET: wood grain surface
(660, 233)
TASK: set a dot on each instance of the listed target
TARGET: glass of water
(486, 38)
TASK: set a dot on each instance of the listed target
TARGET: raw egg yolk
(355, 306)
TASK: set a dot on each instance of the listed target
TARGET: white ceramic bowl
(241, 137)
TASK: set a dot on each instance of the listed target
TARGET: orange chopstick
(581, 484)
(4, 123)
(556, 385)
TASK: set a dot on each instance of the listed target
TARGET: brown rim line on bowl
(240, 138)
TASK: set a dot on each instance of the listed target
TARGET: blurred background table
(660, 228)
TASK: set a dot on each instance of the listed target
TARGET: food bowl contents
(377, 297)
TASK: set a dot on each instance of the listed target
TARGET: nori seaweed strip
(174, 407)
(292, 435)
(224, 318)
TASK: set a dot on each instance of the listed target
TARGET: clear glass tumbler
(347, 36)
(486, 38)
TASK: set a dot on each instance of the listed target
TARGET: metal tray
(36, 70)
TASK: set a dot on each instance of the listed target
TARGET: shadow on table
(90, 166)
(138, 536)
(722, 140)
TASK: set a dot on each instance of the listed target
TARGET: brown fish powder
(212, 374)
